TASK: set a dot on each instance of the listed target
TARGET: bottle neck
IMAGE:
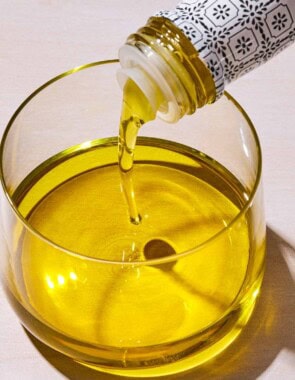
(165, 65)
(185, 57)
(234, 37)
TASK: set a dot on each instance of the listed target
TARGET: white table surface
(42, 38)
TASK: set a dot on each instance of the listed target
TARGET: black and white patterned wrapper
(235, 36)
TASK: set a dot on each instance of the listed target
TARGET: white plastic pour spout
(153, 76)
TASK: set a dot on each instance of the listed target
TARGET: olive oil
(103, 301)
(136, 111)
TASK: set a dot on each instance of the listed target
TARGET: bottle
(184, 58)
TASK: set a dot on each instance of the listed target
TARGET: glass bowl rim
(126, 263)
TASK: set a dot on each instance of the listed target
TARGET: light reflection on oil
(49, 282)
(73, 276)
(60, 280)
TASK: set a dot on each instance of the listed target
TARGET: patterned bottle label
(235, 36)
